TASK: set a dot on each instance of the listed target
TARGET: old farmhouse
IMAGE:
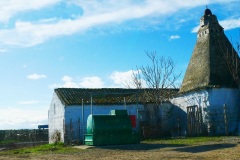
(206, 104)
(70, 108)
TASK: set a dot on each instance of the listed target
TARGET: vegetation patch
(47, 148)
(187, 140)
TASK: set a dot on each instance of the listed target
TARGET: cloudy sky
(46, 44)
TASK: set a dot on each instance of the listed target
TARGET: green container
(110, 129)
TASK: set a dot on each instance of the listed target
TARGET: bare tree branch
(158, 75)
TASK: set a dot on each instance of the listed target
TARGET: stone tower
(208, 67)
(209, 96)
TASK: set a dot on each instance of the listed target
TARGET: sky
(47, 44)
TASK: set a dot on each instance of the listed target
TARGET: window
(54, 108)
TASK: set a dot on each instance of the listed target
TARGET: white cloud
(174, 37)
(28, 102)
(117, 80)
(86, 82)
(125, 79)
(230, 23)
(226, 24)
(13, 118)
(36, 76)
(95, 14)
(66, 78)
(121, 79)
(92, 82)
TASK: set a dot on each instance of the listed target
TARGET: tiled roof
(74, 96)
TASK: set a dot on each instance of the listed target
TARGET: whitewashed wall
(56, 118)
(71, 121)
(210, 102)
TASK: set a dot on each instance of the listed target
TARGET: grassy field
(187, 148)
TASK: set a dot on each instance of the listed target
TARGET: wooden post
(188, 121)
(70, 131)
(178, 125)
(82, 121)
(201, 121)
(225, 119)
(79, 130)
(91, 107)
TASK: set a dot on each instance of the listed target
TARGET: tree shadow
(204, 148)
(140, 146)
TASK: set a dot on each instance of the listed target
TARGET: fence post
(71, 127)
(79, 131)
(225, 119)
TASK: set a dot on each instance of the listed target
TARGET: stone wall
(56, 120)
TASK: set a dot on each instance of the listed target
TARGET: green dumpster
(110, 129)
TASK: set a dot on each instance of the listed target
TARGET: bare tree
(158, 75)
(136, 80)
(231, 56)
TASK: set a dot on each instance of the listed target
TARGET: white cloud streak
(95, 14)
(117, 80)
(36, 76)
(230, 23)
(174, 37)
(86, 82)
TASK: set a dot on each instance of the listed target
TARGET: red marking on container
(133, 121)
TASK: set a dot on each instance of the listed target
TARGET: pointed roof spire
(207, 11)
(207, 66)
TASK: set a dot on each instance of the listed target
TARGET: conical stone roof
(208, 66)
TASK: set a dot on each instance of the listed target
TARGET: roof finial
(207, 11)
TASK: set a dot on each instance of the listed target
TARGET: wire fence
(23, 135)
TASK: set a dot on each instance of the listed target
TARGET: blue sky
(46, 44)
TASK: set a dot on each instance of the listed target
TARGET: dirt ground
(228, 149)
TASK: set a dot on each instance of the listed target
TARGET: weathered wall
(56, 119)
(211, 103)
(173, 119)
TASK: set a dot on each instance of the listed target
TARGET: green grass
(43, 149)
(187, 140)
